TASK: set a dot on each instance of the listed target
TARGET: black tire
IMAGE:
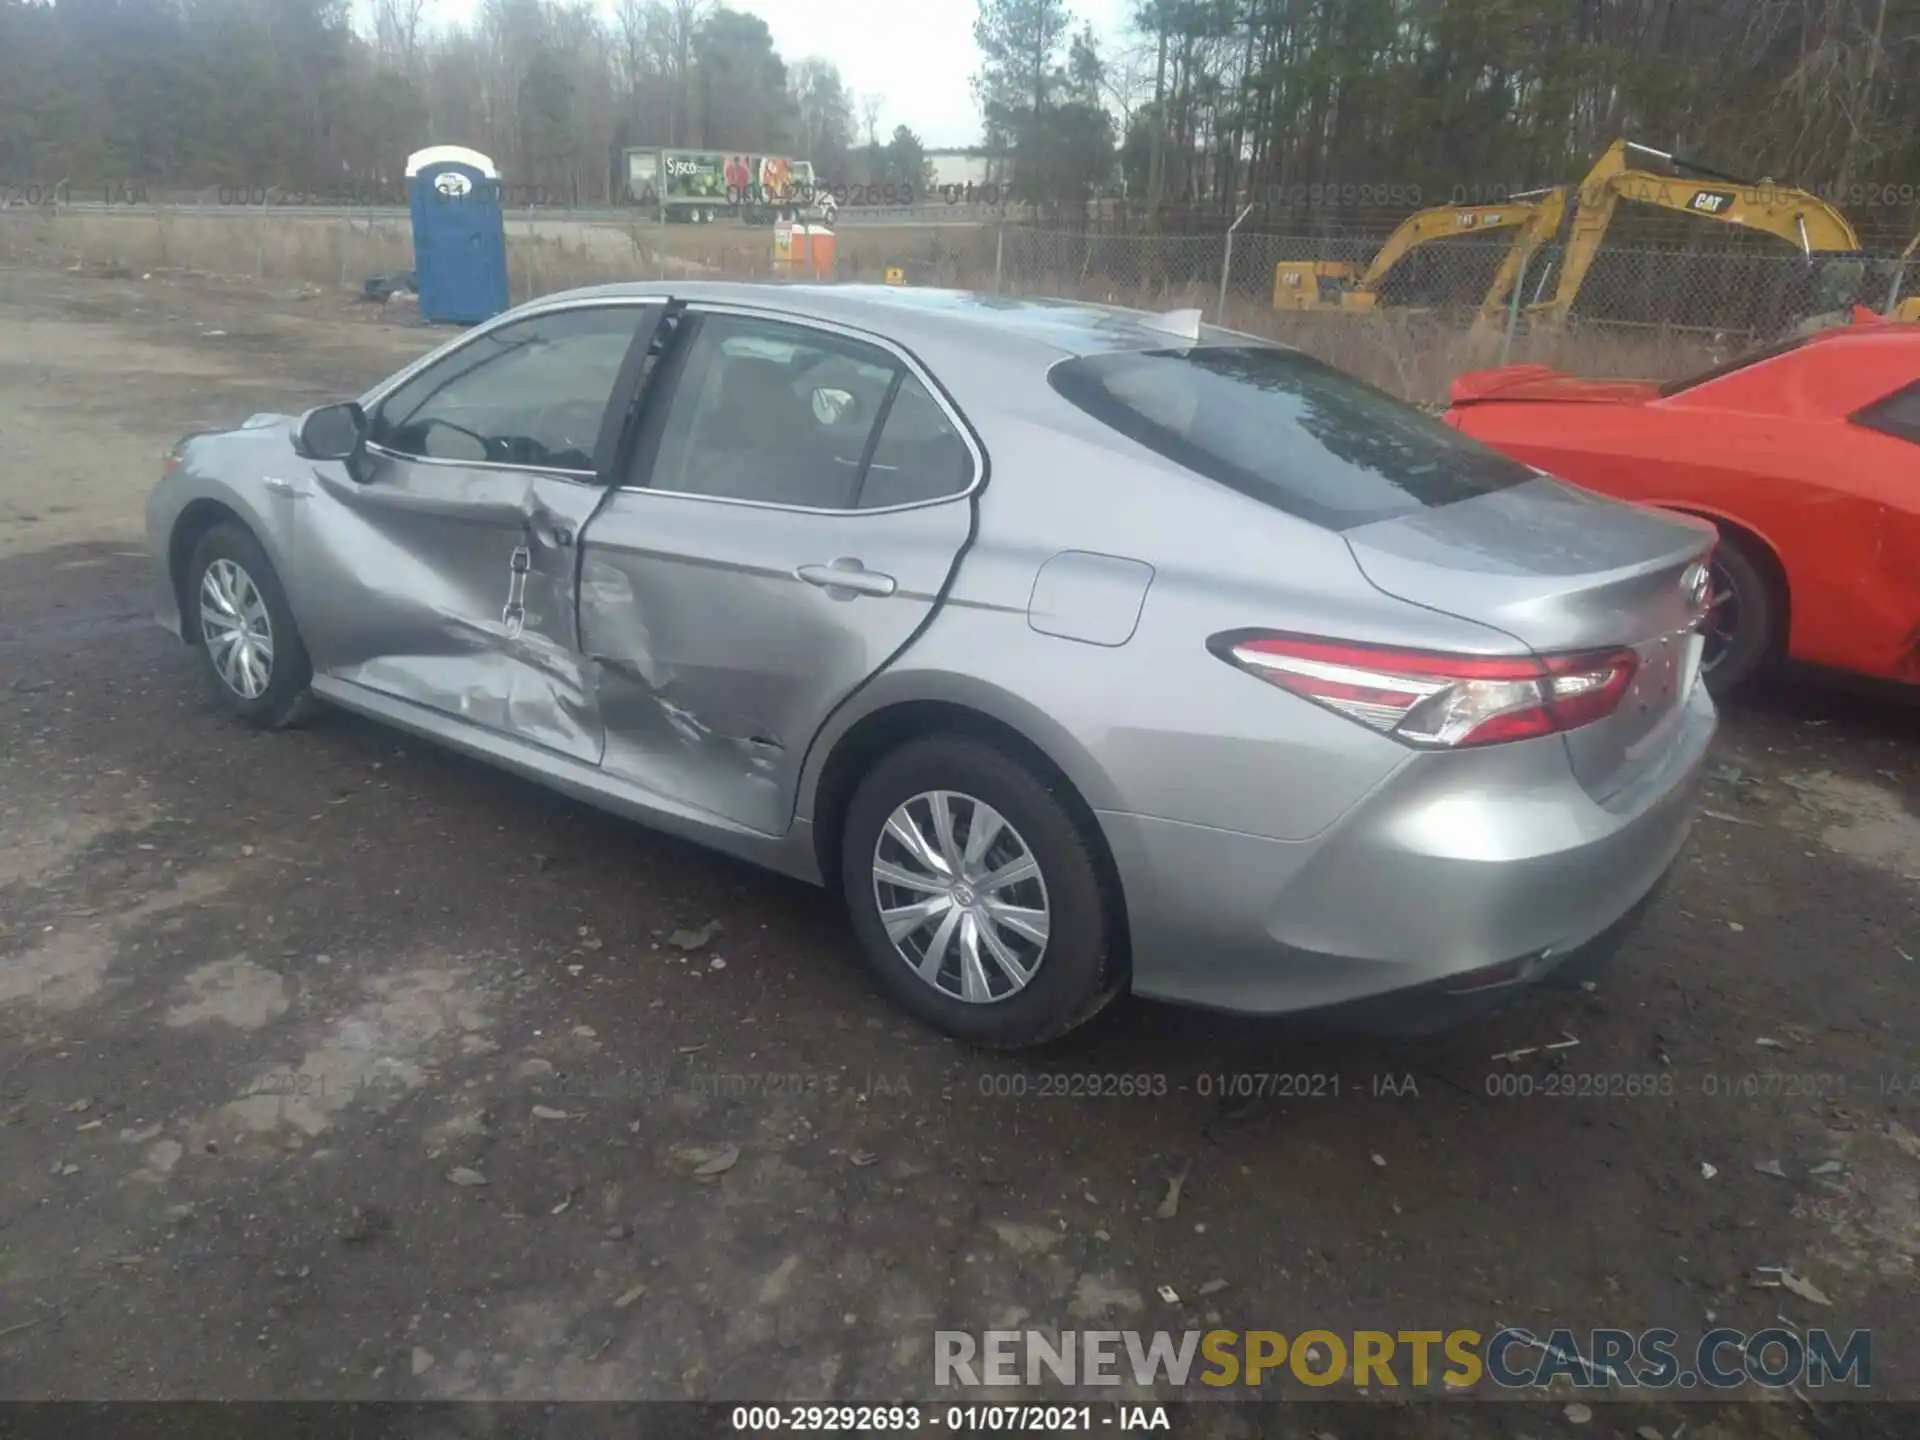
(286, 700)
(1078, 971)
(1747, 635)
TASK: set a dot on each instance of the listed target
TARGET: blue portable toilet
(459, 235)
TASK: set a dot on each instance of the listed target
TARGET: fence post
(531, 240)
(999, 255)
(260, 244)
(1900, 275)
(1226, 267)
(1513, 306)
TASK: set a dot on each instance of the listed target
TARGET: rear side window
(1287, 430)
(918, 455)
(1898, 414)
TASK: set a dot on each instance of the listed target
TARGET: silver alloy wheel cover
(961, 897)
(1721, 624)
(236, 629)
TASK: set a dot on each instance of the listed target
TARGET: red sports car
(1805, 454)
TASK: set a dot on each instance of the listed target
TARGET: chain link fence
(1653, 309)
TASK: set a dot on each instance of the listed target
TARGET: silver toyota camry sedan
(1081, 649)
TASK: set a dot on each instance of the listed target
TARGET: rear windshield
(1286, 430)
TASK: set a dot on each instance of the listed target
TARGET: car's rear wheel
(976, 894)
(1742, 619)
(245, 629)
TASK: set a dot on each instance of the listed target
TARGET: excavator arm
(1342, 285)
(1549, 212)
(1800, 218)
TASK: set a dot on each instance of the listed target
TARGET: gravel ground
(332, 1066)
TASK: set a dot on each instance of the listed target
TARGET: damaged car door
(796, 500)
(447, 567)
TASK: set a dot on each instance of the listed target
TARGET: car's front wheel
(976, 894)
(239, 616)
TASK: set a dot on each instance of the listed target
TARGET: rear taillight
(1431, 699)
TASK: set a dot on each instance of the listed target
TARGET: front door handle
(848, 574)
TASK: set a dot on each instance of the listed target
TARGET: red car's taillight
(1431, 699)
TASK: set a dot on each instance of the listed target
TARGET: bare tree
(396, 28)
(1126, 81)
(683, 21)
(633, 25)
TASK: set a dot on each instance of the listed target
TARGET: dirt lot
(261, 996)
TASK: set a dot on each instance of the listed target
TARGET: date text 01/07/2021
(1208, 1085)
(958, 1419)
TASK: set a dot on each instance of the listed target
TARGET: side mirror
(335, 432)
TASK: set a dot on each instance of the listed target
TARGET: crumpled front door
(452, 587)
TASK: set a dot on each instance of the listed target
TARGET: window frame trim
(906, 361)
(379, 394)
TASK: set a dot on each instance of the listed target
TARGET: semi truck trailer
(701, 186)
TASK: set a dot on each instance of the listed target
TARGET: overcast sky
(916, 55)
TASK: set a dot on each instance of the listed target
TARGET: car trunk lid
(1560, 570)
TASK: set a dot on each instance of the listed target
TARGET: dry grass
(1411, 354)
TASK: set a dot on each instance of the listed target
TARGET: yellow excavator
(1802, 219)
(1344, 285)
(1537, 217)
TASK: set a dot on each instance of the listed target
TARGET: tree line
(1197, 107)
(288, 93)
(1256, 97)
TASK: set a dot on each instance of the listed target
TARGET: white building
(971, 165)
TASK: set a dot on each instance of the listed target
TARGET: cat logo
(1710, 202)
(452, 184)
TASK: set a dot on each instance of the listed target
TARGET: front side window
(531, 393)
(784, 414)
(1286, 430)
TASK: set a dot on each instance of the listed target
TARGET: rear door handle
(848, 574)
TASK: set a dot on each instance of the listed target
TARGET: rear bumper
(1455, 864)
(1442, 1004)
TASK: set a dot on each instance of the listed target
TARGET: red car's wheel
(1742, 620)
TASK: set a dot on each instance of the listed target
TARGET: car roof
(915, 315)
